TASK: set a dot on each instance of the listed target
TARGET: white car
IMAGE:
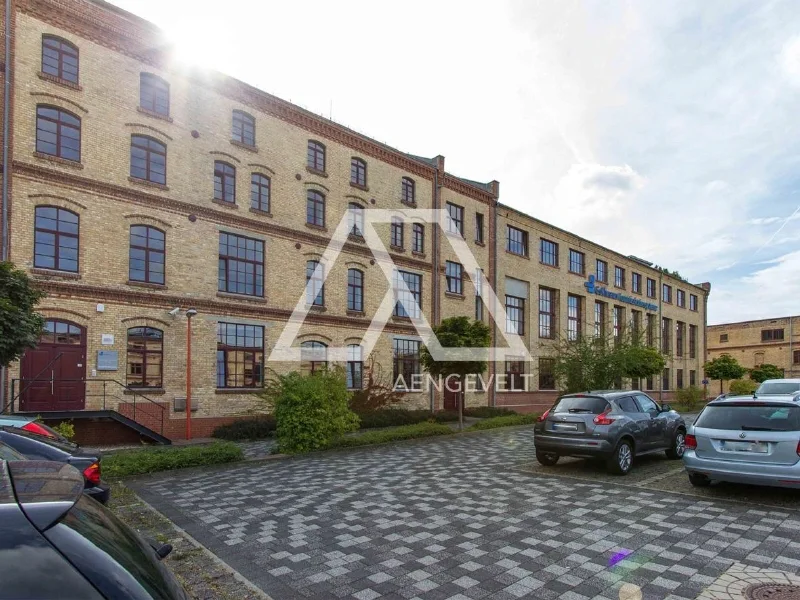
(779, 387)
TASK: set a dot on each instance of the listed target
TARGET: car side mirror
(666, 408)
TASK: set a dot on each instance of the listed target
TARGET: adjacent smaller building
(754, 343)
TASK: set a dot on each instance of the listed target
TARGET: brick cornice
(141, 198)
(465, 189)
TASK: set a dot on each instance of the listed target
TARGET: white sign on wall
(107, 339)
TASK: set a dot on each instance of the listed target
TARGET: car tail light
(547, 412)
(798, 448)
(604, 419)
(36, 428)
(691, 442)
(92, 473)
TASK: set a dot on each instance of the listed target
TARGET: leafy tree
(20, 326)
(724, 368)
(377, 393)
(742, 387)
(458, 332)
(310, 410)
(763, 372)
(690, 396)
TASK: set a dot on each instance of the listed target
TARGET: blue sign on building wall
(592, 287)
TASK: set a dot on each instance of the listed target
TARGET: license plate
(566, 426)
(731, 446)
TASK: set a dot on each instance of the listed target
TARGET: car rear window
(592, 405)
(750, 417)
(778, 387)
(8, 453)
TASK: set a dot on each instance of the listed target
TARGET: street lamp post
(189, 314)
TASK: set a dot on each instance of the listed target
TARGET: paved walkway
(456, 518)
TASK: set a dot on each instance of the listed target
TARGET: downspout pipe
(6, 116)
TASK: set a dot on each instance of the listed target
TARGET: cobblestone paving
(457, 518)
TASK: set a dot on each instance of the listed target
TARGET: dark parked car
(613, 425)
(58, 544)
(37, 447)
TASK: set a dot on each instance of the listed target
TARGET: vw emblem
(742, 435)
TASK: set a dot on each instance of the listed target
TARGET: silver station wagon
(743, 439)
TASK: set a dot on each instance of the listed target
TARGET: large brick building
(136, 187)
(754, 343)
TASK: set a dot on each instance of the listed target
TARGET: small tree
(377, 392)
(763, 372)
(458, 332)
(20, 326)
(724, 368)
(690, 396)
(742, 387)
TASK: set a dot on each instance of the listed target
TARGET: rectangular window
(408, 302)
(665, 379)
(619, 322)
(599, 318)
(680, 332)
(649, 383)
(517, 241)
(796, 357)
(454, 276)
(407, 191)
(692, 341)
(406, 364)
(315, 283)
(636, 283)
(478, 308)
(666, 293)
(723, 337)
(241, 265)
(548, 253)
(619, 277)
(358, 172)
(666, 335)
(259, 192)
(354, 368)
(397, 232)
(224, 182)
(145, 357)
(547, 313)
(240, 355)
(651, 288)
(577, 262)
(679, 378)
(602, 271)
(680, 298)
(418, 238)
(771, 335)
(547, 376)
(515, 371)
(693, 302)
(692, 377)
(355, 290)
(574, 317)
(636, 324)
(515, 315)
(479, 228)
(456, 222)
(651, 330)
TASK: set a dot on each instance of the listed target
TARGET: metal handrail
(32, 381)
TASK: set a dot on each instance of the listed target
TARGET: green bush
(137, 462)
(65, 428)
(310, 410)
(486, 412)
(505, 421)
(744, 387)
(395, 417)
(247, 429)
(406, 432)
(690, 397)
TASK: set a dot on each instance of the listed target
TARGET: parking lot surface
(474, 516)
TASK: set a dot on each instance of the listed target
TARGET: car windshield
(750, 417)
(778, 387)
(591, 405)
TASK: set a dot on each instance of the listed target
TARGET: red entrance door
(451, 398)
(54, 373)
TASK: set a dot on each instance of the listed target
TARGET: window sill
(58, 80)
(454, 234)
(146, 284)
(315, 172)
(59, 161)
(258, 211)
(136, 391)
(248, 390)
(619, 287)
(417, 254)
(55, 273)
(525, 256)
(455, 295)
(408, 391)
(544, 264)
(243, 297)
(411, 204)
(397, 248)
(480, 243)
(356, 313)
(150, 184)
(397, 319)
(316, 308)
(352, 237)
(317, 227)
(635, 292)
(155, 115)
(225, 203)
(243, 146)
(358, 186)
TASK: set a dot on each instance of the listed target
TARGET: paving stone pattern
(455, 518)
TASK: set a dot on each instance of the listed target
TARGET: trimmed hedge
(406, 432)
(395, 417)
(137, 462)
(486, 412)
(249, 429)
(505, 421)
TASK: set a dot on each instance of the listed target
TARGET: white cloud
(790, 60)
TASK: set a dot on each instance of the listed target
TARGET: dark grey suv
(613, 425)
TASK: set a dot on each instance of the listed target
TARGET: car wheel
(621, 460)
(678, 445)
(547, 459)
(698, 480)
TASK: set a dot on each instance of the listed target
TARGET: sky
(667, 130)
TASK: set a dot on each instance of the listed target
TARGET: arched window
(354, 368)
(148, 159)
(316, 156)
(355, 290)
(314, 356)
(56, 239)
(315, 283)
(58, 133)
(259, 192)
(397, 232)
(355, 219)
(60, 332)
(243, 129)
(407, 191)
(145, 357)
(147, 255)
(224, 181)
(154, 94)
(59, 58)
(358, 172)
(315, 208)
